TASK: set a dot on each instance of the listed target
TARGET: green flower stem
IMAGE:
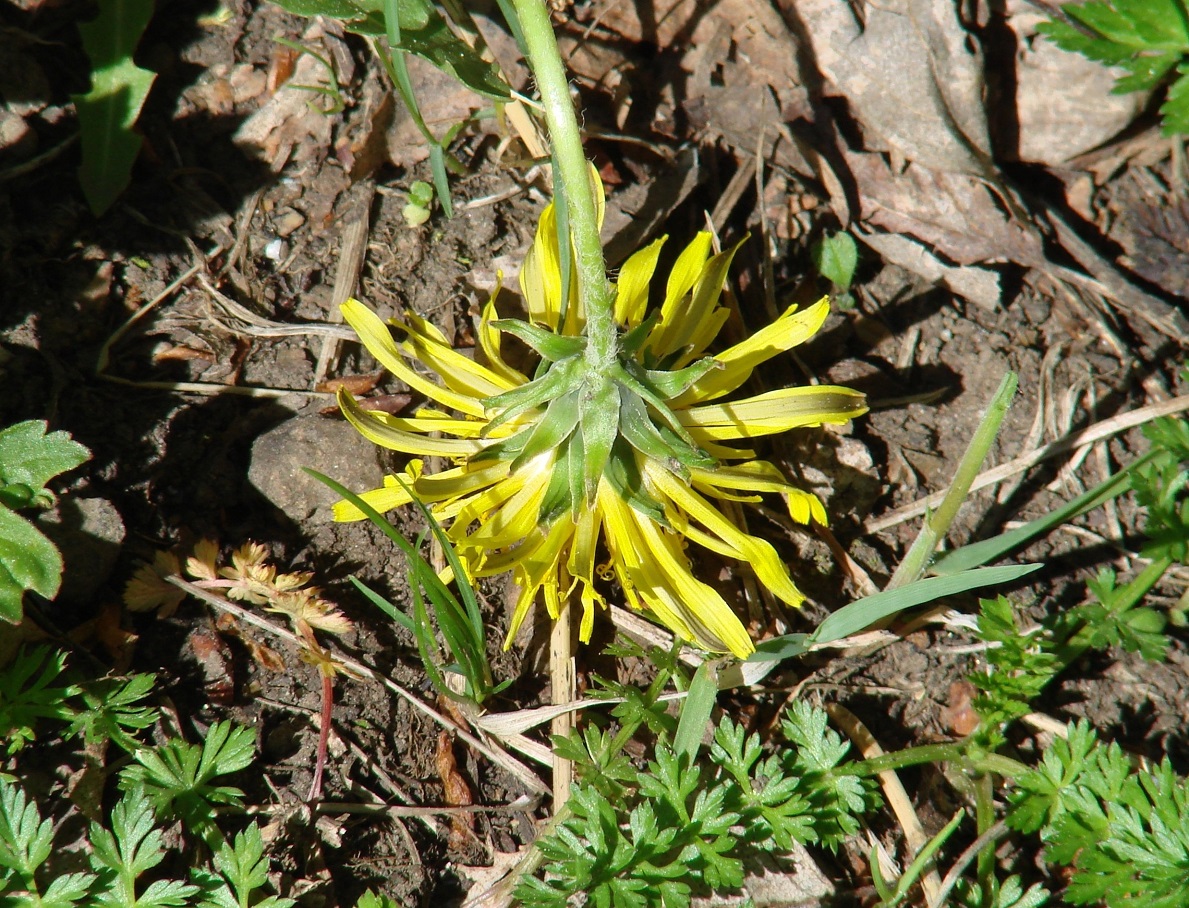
(934, 753)
(574, 177)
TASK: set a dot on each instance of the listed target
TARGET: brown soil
(178, 466)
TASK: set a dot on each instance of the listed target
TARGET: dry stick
(897, 797)
(346, 278)
(561, 672)
(1089, 435)
(1106, 280)
(494, 753)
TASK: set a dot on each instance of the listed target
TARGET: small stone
(89, 533)
(329, 446)
(287, 221)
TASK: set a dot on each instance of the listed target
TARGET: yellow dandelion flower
(635, 456)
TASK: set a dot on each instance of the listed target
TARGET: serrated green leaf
(68, 891)
(423, 32)
(31, 456)
(243, 868)
(370, 899)
(108, 112)
(1175, 109)
(25, 838)
(28, 561)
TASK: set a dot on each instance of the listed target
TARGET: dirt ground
(264, 209)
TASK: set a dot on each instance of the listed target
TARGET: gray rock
(89, 533)
(329, 446)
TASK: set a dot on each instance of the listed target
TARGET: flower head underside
(634, 460)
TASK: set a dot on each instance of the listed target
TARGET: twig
(561, 671)
(898, 800)
(955, 872)
(104, 358)
(346, 278)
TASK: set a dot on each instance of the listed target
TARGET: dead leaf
(287, 122)
(457, 792)
(113, 636)
(181, 353)
(959, 217)
(216, 663)
(357, 385)
(979, 285)
(959, 715)
(281, 63)
(911, 73)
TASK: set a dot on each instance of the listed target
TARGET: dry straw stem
(898, 799)
(1091, 434)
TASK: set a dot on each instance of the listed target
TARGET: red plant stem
(323, 736)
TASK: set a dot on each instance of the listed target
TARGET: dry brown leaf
(216, 663)
(911, 73)
(960, 217)
(457, 792)
(287, 122)
(958, 714)
(742, 64)
(358, 385)
(182, 353)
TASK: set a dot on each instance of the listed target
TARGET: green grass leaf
(108, 112)
(859, 615)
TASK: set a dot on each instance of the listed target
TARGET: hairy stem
(574, 178)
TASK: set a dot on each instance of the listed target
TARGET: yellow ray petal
(540, 275)
(458, 372)
(384, 499)
(490, 342)
(792, 328)
(743, 546)
(378, 340)
(539, 566)
(805, 507)
(375, 427)
(478, 505)
(775, 411)
(659, 574)
(518, 516)
(753, 476)
(631, 291)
